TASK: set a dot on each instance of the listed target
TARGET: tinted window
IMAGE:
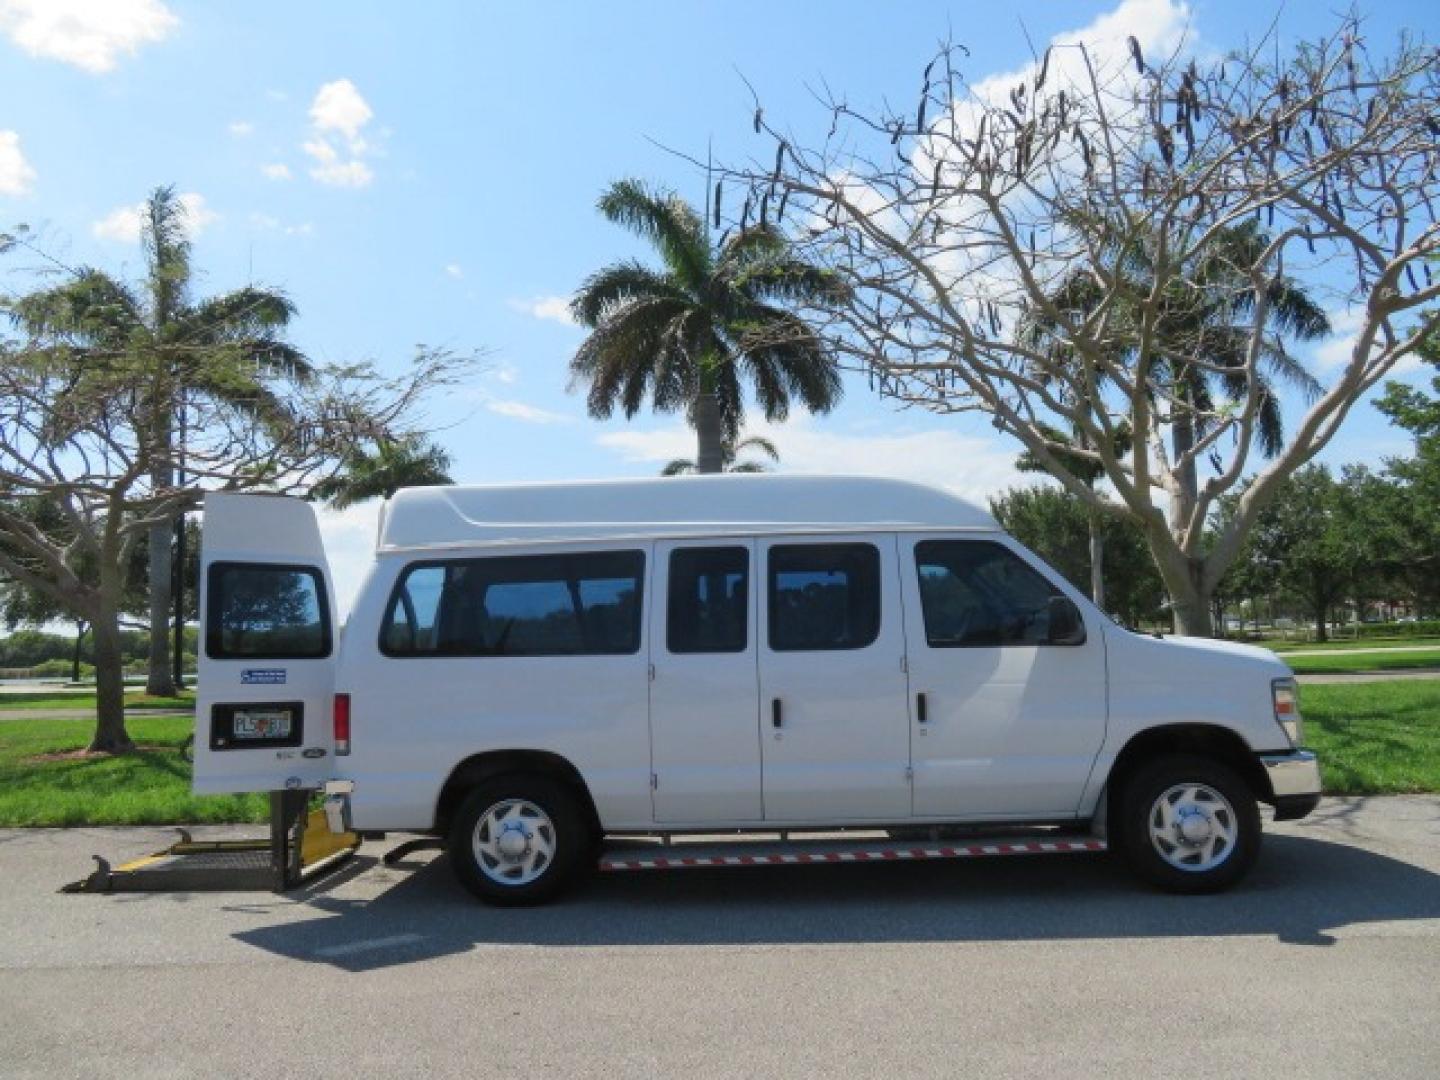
(975, 593)
(534, 605)
(824, 596)
(266, 612)
(708, 600)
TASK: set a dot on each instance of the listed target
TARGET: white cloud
(973, 467)
(241, 128)
(529, 414)
(349, 538)
(276, 170)
(1334, 352)
(454, 270)
(89, 34)
(338, 106)
(270, 223)
(123, 223)
(549, 308)
(337, 145)
(16, 175)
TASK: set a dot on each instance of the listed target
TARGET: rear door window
(262, 611)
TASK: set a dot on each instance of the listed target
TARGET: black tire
(1140, 798)
(567, 833)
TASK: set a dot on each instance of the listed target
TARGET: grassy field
(1372, 738)
(150, 787)
(1366, 661)
(42, 699)
(1348, 643)
(1375, 738)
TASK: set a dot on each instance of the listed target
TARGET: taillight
(342, 724)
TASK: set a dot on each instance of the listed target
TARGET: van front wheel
(518, 840)
(1189, 824)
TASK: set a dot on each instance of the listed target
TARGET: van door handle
(921, 714)
(775, 719)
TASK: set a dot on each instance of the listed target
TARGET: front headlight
(1286, 695)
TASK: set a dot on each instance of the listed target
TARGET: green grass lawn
(41, 699)
(1380, 738)
(1372, 738)
(150, 787)
(1378, 660)
(1348, 643)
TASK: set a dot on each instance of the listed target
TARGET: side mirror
(1066, 625)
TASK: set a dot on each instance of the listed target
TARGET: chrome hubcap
(514, 842)
(1193, 827)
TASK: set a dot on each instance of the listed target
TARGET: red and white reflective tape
(969, 851)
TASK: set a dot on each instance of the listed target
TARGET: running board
(685, 854)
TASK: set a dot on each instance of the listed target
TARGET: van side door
(835, 735)
(704, 696)
(1006, 724)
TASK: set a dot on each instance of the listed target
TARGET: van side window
(266, 612)
(582, 604)
(975, 593)
(708, 603)
(823, 596)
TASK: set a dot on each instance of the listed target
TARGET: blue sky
(428, 173)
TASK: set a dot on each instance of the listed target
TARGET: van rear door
(268, 640)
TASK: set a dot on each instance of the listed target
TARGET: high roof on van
(667, 506)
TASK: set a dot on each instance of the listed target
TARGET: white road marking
(350, 948)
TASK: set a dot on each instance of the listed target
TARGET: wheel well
(481, 767)
(1206, 740)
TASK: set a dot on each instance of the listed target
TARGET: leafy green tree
(731, 451)
(194, 348)
(1418, 511)
(1310, 543)
(690, 335)
(1057, 526)
(377, 472)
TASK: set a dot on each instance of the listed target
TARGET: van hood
(1195, 657)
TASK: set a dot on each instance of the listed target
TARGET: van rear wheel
(518, 840)
(1189, 824)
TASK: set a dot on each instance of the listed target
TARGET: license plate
(262, 724)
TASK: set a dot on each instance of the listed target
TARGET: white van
(528, 670)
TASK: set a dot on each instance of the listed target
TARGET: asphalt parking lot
(1326, 963)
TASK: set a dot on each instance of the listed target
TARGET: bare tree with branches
(76, 437)
(1156, 217)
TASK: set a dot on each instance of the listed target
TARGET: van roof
(664, 507)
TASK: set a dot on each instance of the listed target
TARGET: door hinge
(910, 773)
(904, 665)
(654, 781)
(652, 672)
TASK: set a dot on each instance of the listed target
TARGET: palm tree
(395, 464)
(200, 345)
(687, 336)
(1089, 472)
(1202, 333)
(729, 452)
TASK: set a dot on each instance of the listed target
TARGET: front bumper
(1295, 782)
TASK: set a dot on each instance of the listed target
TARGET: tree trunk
(709, 435)
(1097, 562)
(110, 734)
(159, 680)
(79, 645)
